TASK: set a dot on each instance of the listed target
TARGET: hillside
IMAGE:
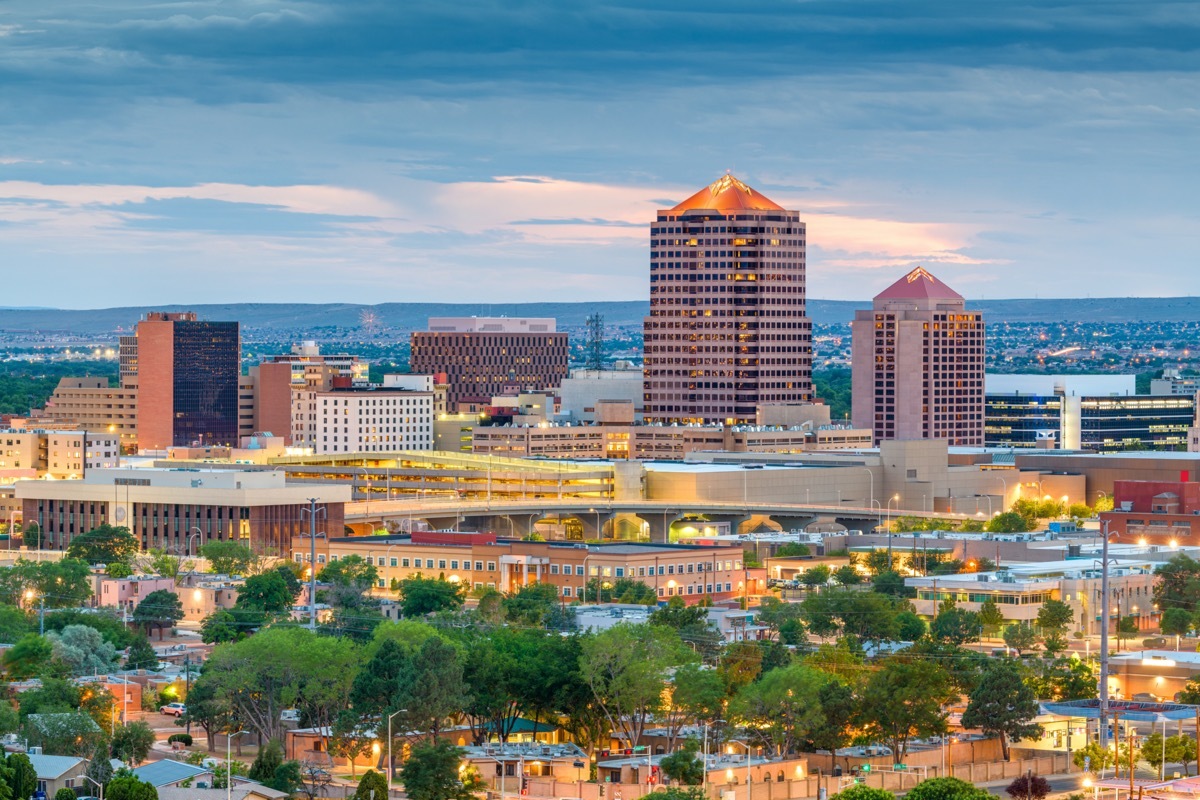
(410, 316)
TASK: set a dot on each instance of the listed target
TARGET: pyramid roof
(727, 194)
(918, 285)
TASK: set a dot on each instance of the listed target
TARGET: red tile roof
(727, 194)
(918, 285)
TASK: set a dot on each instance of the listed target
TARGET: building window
(404, 562)
(566, 591)
(491, 567)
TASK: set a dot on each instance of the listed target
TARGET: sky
(508, 150)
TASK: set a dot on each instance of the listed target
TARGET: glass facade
(207, 367)
(1112, 424)
(1022, 421)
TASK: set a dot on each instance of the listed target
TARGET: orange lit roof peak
(726, 194)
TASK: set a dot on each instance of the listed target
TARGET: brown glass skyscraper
(727, 329)
(186, 372)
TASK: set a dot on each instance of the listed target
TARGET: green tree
(625, 667)
(288, 778)
(847, 575)
(891, 583)
(1065, 679)
(879, 560)
(224, 626)
(1055, 615)
(684, 766)
(792, 550)
(531, 604)
(860, 791)
(436, 688)
(124, 786)
(956, 626)
(23, 778)
(141, 655)
(911, 627)
(697, 694)
(421, 596)
(1008, 522)
(1003, 705)
(1020, 636)
(431, 773)
(781, 707)
(990, 616)
(622, 590)
(159, 610)
(676, 793)
(269, 759)
(372, 786)
(903, 700)
(1093, 756)
(99, 768)
(947, 789)
(266, 594)
(104, 544)
(351, 571)
(678, 615)
(1127, 628)
(132, 742)
(82, 650)
(29, 657)
(228, 558)
(815, 576)
(1175, 622)
(118, 570)
(64, 794)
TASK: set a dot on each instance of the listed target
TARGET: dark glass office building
(207, 366)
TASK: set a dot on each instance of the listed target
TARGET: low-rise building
(1163, 513)
(201, 595)
(55, 454)
(166, 508)
(126, 593)
(57, 772)
(337, 417)
(168, 772)
(479, 560)
(1153, 675)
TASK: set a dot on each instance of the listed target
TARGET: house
(239, 791)
(57, 772)
(126, 593)
(170, 773)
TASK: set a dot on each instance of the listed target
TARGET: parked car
(173, 709)
(1144, 697)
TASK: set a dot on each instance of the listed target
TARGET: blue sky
(374, 150)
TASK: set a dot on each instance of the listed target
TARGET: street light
(97, 783)
(392, 764)
(312, 512)
(896, 499)
(228, 759)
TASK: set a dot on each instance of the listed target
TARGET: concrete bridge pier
(659, 523)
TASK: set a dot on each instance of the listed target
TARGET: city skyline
(282, 151)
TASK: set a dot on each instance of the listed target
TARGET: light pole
(1004, 496)
(1104, 611)
(228, 758)
(878, 519)
(312, 511)
(893, 499)
(199, 534)
(391, 764)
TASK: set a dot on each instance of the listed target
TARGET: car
(173, 709)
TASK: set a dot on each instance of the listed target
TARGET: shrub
(183, 738)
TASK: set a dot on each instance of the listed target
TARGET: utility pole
(187, 673)
(42, 616)
(1104, 636)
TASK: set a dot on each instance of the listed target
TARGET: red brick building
(1155, 512)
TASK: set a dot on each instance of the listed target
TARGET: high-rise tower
(918, 364)
(727, 329)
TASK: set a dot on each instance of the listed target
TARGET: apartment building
(55, 454)
(332, 416)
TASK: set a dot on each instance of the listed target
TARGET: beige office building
(59, 455)
(918, 364)
(727, 329)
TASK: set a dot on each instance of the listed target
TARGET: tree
(1092, 756)
(1178, 584)
(141, 655)
(530, 604)
(288, 778)
(372, 786)
(118, 570)
(66, 583)
(268, 760)
(990, 615)
(431, 773)
(132, 742)
(697, 696)
(625, 667)
(29, 657)
(435, 687)
(956, 626)
(878, 561)
(267, 595)
(1028, 787)
(104, 544)
(815, 576)
(1178, 750)
(64, 794)
(83, 650)
(622, 590)
(780, 708)
(1003, 705)
(100, 768)
(1008, 522)
(847, 576)
(228, 558)
(860, 791)
(23, 778)
(158, 610)
(903, 700)
(1055, 615)
(421, 596)
(223, 626)
(683, 766)
(1175, 622)
(792, 550)
(947, 789)
(127, 787)
(1127, 628)
(911, 626)
(1065, 679)
(891, 583)
(676, 793)
(678, 615)
(1020, 636)
(351, 571)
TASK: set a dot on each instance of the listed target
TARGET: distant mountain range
(412, 316)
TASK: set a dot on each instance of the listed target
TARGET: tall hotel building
(485, 356)
(727, 329)
(918, 364)
(187, 375)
